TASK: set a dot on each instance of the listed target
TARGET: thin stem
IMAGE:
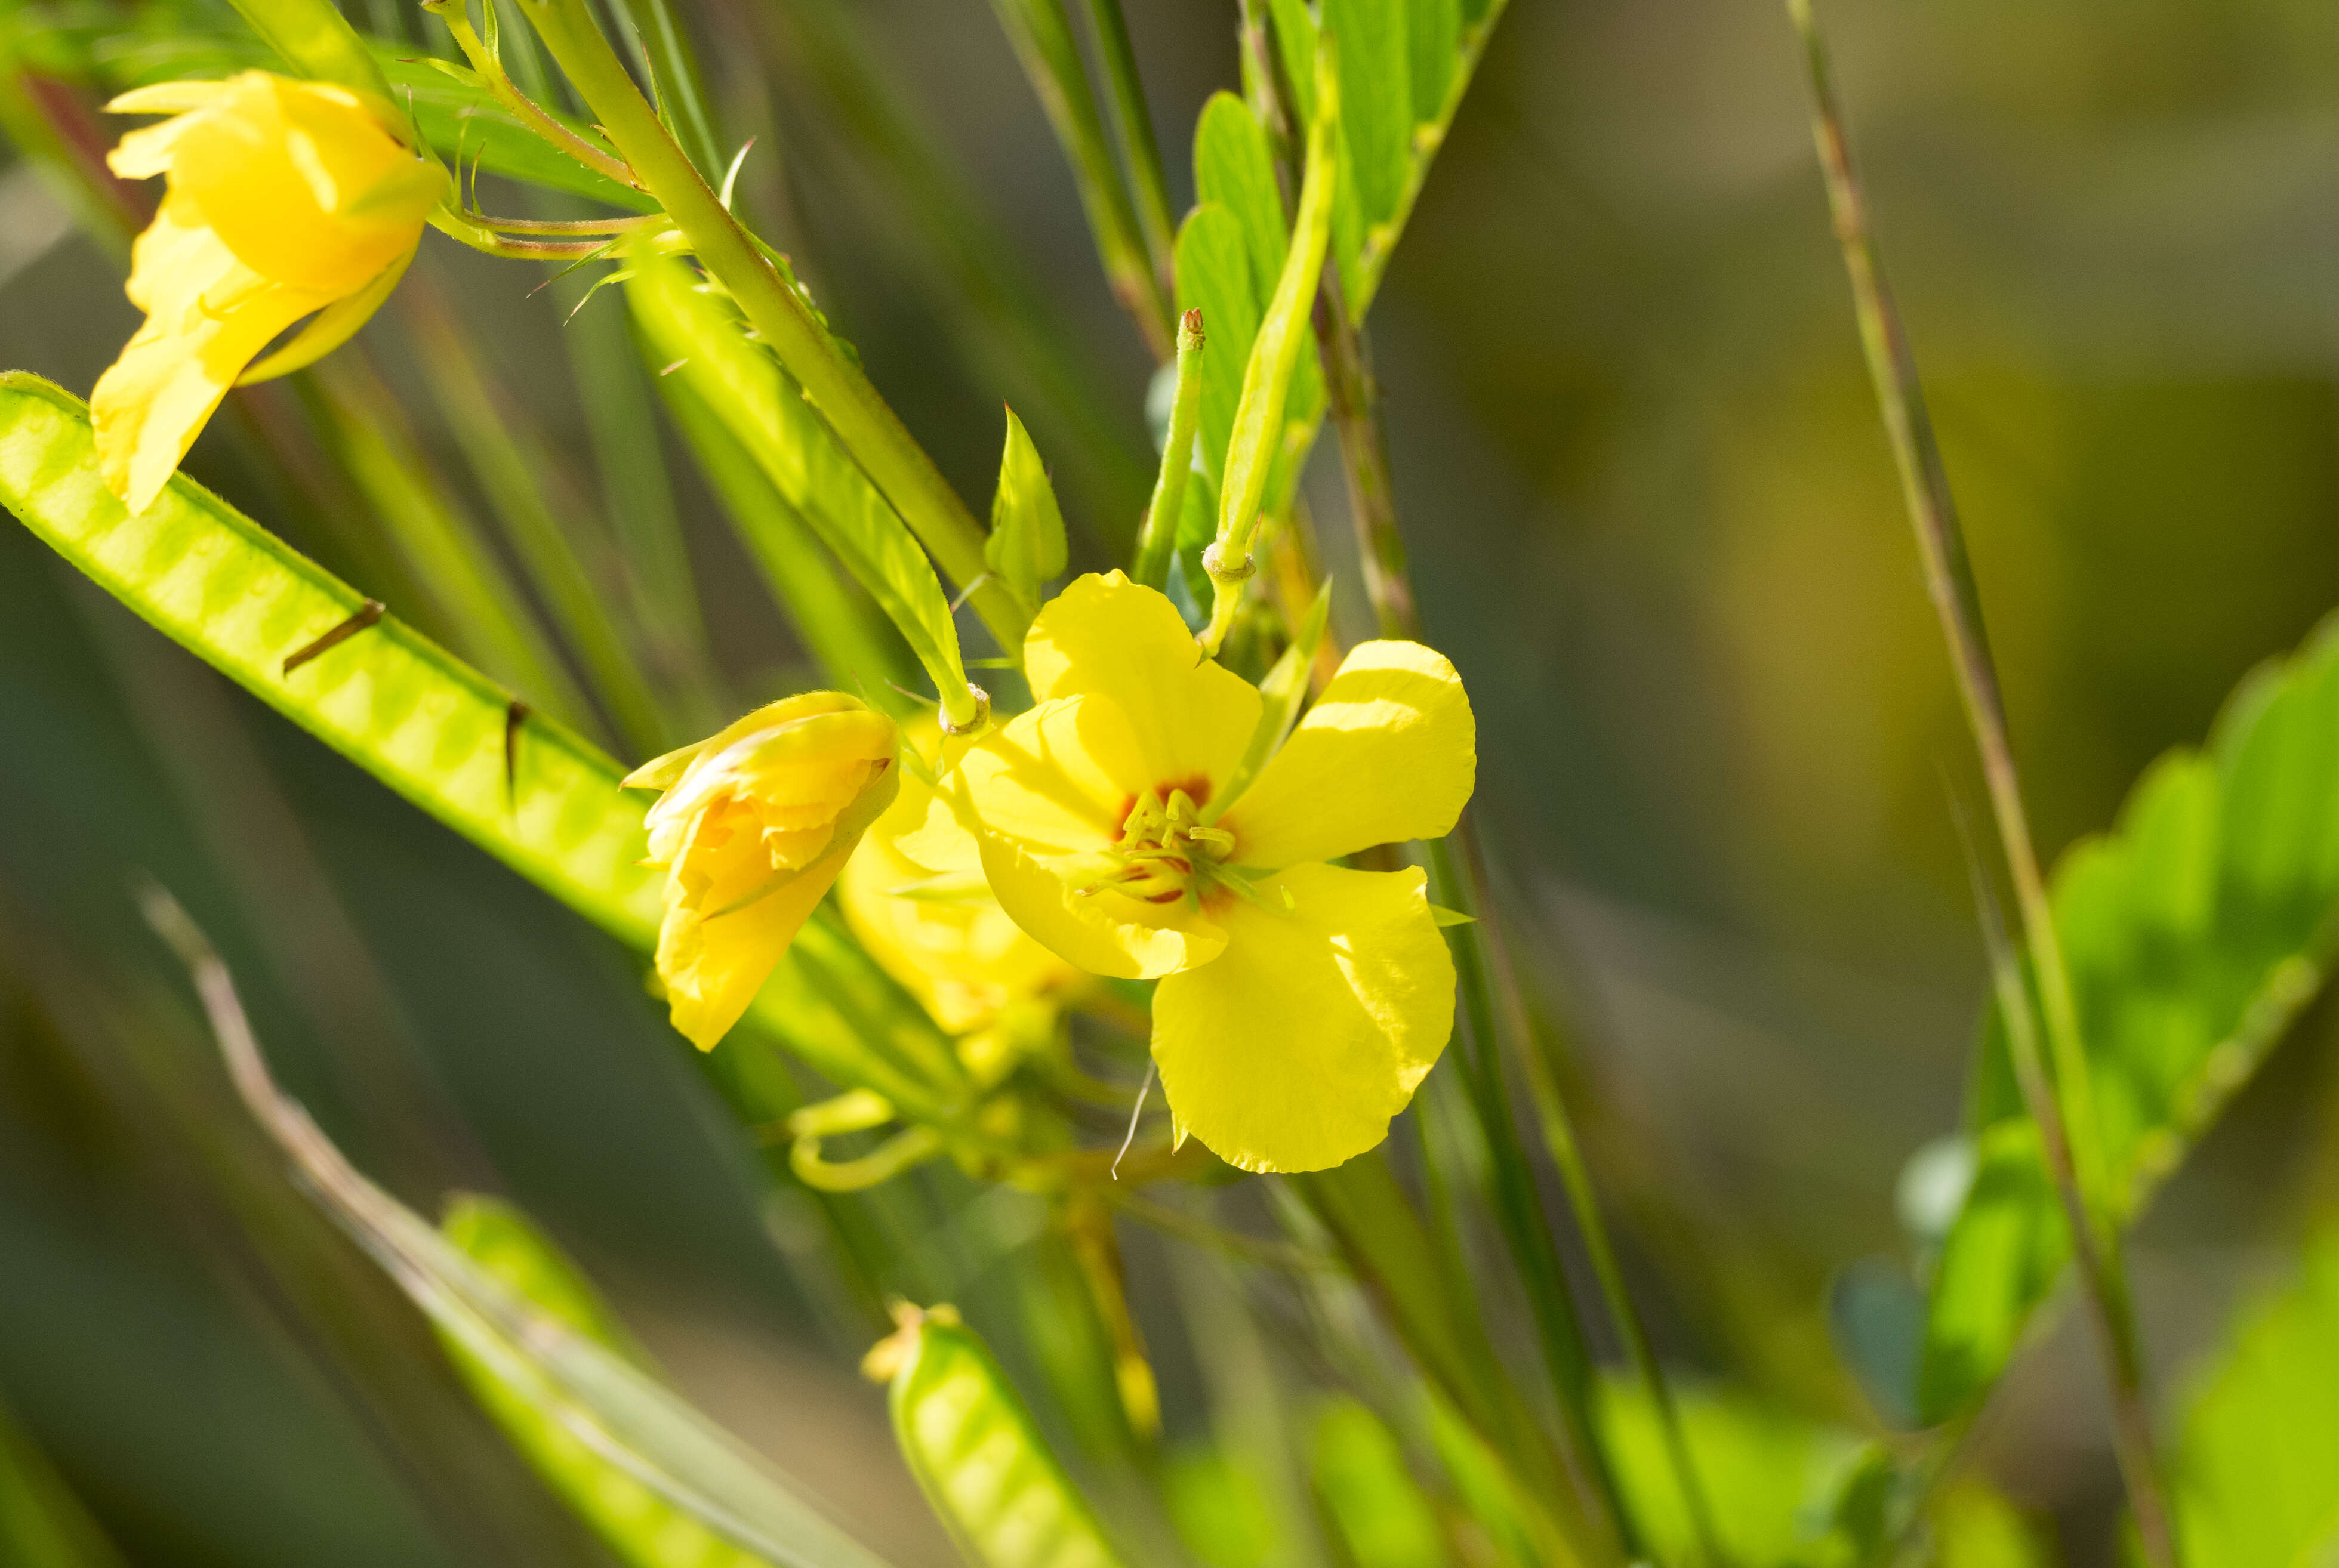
(1567, 1156)
(570, 225)
(1354, 399)
(1518, 1207)
(671, 65)
(1042, 33)
(2063, 1105)
(1133, 127)
(837, 387)
(1159, 540)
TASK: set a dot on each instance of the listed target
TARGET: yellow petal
(817, 759)
(713, 967)
(207, 315)
(148, 150)
(957, 951)
(168, 98)
(332, 327)
(1389, 753)
(303, 182)
(1293, 1050)
(1103, 933)
(1059, 777)
(1190, 718)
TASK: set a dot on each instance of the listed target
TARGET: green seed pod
(989, 1474)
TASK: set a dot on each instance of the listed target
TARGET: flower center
(1167, 851)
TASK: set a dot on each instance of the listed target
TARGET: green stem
(1042, 33)
(1518, 1209)
(1567, 1156)
(2063, 1105)
(1159, 540)
(671, 63)
(1354, 399)
(863, 422)
(1133, 130)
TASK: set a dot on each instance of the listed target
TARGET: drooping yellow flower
(286, 199)
(1120, 823)
(755, 825)
(914, 894)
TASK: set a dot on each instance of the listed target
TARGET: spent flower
(1301, 1002)
(286, 199)
(754, 827)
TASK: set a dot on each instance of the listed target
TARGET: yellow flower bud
(286, 199)
(754, 827)
(914, 894)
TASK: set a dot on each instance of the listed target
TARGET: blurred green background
(1653, 522)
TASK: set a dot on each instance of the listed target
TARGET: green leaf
(1234, 168)
(1764, 1469)
(1214, 277)
(2194, 932)
(1375, 98)
(704, 341)
(1434, 47)
(1026, 546)
(855, 644)
(988, 1473)
(2255, 1474)
(527, 790)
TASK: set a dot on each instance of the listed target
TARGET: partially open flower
(754, 827)
(1301, 1003)
(286, 199)
(914, 894)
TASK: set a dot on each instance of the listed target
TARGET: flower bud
(755, 825)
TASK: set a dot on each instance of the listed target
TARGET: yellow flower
(755, 825)
(914, 894)
(286, 199)
(1301, 1002)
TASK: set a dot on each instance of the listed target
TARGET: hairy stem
(2063, 1105)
